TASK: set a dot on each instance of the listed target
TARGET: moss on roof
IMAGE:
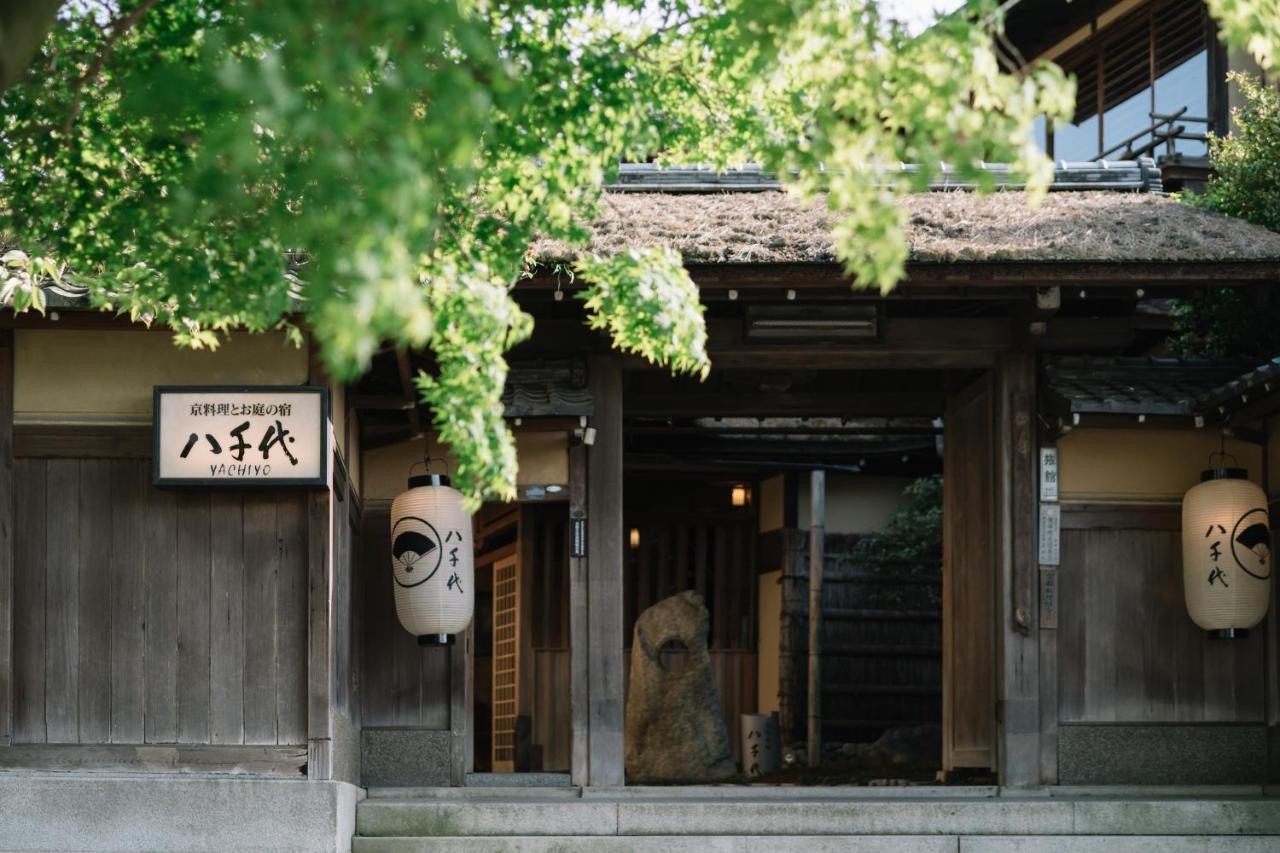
(773, 227)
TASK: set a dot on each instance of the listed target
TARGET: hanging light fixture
(1226, 551)
(635, 537)
(739, 494)
(432, 560)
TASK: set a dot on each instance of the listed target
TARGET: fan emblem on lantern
(1251, 544)
(415, 551)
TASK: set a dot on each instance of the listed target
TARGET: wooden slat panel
(377, 670)
(1099, 651)
(29, 603)
(161, 666)
(1162, 593)
(435, 672)
(7, 538)
(1144, 660)
(1127, 650)
(1072, 623)
(94, 595)
(261, 550)
(193, 617)
(291, 619)
(62, 643)
(128, 600)
(226, 619)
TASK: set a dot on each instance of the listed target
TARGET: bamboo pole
(817, 536)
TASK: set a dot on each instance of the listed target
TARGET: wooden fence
(882, 643)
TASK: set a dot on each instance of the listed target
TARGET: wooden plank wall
(402, 683)
(153, 616)
(1128, 652)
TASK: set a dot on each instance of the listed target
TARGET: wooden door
(970, 556)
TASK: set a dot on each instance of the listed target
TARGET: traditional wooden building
(195, 667)
(1151, 79)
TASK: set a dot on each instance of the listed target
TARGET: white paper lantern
(432, 560)
(1226, 552)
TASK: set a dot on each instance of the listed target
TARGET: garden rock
(674, 729)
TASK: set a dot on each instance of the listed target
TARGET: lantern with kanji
(1226, 552)
(432, 561)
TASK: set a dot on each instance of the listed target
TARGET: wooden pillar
(461, 706)
(319, 638)
(579, 651)
(6, 536)
(604, 579)
(1018, 673)
(817, 541)
(320, 612)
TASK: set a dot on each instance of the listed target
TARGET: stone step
(517, 780)
(826, 844)
(1032, 815)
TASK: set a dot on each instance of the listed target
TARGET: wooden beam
(579, 652)
(957, 277)
(817, 543)
(64, 441)
(7, 536)
(606, 754)
(681, 404)
(409, 391)
(904, 342)
(288, 761)
(379, 402)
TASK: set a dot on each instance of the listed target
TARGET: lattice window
(506, 662)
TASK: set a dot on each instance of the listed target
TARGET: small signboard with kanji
(239, 436)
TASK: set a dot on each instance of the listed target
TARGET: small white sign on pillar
(1048, 473)
(1050, 539)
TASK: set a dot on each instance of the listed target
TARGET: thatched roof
(774, 227)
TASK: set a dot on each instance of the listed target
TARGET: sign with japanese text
(1048, 473)
(1050, 534)
(226, 435)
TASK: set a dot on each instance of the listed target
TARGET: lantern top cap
(428, 480)
(1224, 474)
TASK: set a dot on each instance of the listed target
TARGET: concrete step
(517, 780)
(826, 844)
(1009, 816)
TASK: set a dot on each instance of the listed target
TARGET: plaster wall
(855, 503)
(543, 458)
(773, 509)
(1141, 465)
(106, 377)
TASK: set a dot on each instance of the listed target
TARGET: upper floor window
(1144, 86)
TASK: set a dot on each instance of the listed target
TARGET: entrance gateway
(974, 368)
(244, 638)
